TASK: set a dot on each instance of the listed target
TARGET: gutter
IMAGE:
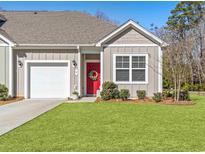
(51, 46)
(56, 45)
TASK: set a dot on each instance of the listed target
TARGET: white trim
(129, 45)
(26, 62)
(45, 47)
(11, 71)
(60, 45)
(4, 45)
(90, 52)
(85, 70)
(160, 83)
(7, 40)
(79, 71)
(134, 25)
(130, 69)
(101, 68)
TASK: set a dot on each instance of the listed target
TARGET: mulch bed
(12, 100)
(172, 102)
(146, 101)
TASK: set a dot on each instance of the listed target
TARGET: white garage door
(49, 80)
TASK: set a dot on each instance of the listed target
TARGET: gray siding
(152, 52)
(43, 54)
(130, 36)
(4, 66)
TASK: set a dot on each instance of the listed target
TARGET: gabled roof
(45, 27)
(135, 26)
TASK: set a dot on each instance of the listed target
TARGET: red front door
(93, 77)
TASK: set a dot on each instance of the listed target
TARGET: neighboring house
(52, 54)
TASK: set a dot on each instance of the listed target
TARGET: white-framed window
(130, 68)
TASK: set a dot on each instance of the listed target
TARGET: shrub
(166, 83)
(141, 94)
(105, 94)
(193, 87)
(3, 92)
(115, 93)
(157, 97)
(184, 95)
(167, 93)
(76, 93)
(124, 94)
(109, 90)
(187, 86)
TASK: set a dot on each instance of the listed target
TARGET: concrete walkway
(15, 114)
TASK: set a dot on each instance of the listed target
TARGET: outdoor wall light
(74, 63)
(20, 64)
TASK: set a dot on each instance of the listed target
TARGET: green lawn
(113, 127)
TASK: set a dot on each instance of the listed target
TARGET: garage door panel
(49, 81)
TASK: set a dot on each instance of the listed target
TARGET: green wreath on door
(93, 75)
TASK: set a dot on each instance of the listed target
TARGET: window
(122, 68)
(130, 68)
(138, 68)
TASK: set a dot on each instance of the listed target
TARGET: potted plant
(75, 95)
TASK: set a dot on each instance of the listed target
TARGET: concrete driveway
(15, 114)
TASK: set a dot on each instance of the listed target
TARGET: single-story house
(52, 54)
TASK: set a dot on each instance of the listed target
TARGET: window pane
(126, 61)
(119, 58)
(122, 75)
(118, 65)
(138, 75)
(141, 65)
(142, 58)
(135, 60)
(122, 62)
(126, 65)
(119, 62)
(138, 62)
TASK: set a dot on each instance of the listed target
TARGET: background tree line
(184, 57)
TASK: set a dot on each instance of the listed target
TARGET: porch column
(10, 71)
(101, 68)
(79, 71)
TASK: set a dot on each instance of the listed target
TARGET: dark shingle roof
(55, 27)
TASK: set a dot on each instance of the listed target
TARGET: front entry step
(83, 100)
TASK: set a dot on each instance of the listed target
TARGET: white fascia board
(58, 45)
(7, 40)
(130, 45)
(129, 24)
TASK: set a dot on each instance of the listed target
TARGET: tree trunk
(179, 89)
(175, 87)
